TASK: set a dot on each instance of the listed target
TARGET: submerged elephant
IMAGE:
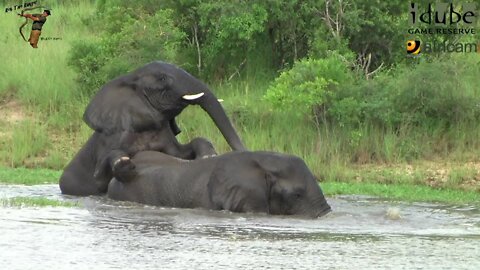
(263, 182)
(137, 112)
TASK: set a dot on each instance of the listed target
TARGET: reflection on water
(358, 234)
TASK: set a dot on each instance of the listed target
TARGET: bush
(311, 85)
(420, 95)
(443, 91)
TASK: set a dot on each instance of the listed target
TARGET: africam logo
(415, 47)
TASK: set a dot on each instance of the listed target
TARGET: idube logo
(443, 14)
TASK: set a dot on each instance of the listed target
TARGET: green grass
(25, 176)
(401, 192)
(458, 176)
(35, 202)
(28, 140)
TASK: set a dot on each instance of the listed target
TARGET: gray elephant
(137, 112)
(262, 182)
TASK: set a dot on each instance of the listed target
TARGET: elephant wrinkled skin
(262, 182)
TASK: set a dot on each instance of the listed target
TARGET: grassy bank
(35, 202)
(403, 192)
(24, 176)
(396, 189)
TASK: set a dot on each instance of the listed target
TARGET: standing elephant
(262, 182)
(137, 112)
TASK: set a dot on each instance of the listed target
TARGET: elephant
(136, 112)
(260, 182)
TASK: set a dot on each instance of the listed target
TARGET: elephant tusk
(193, 97)
(220, 100)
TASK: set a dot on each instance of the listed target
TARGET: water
(358, 234)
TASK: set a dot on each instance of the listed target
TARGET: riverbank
(381, 185)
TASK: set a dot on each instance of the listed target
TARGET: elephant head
(274, 183)
(294, 190)
(150, 98)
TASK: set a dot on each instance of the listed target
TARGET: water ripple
(359, 233)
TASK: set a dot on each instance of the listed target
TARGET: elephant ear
(238, 186)
(119, 108)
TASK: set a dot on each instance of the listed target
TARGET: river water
(360, 233)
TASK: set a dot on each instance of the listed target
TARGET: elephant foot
(208, 156)
(124, 169)
(202, 148)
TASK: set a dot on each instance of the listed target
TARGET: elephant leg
(196, 149)
(120, 164)
(77, 181)
(202, 148)
(163, 140)
(124, 169)
(117, 161)
(78, 176)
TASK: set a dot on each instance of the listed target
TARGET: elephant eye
(162, 78)
(298, 194)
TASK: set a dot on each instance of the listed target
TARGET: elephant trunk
(325, 209)
(212, 106)
(314, 207)
(320, 208)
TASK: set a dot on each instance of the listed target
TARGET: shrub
(311, 85)
(418, 95)
(442, 91)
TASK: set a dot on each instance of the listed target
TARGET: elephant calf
(263, 182)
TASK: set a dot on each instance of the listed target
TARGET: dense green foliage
(326, 80)
(312, 84)
(412, 95)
